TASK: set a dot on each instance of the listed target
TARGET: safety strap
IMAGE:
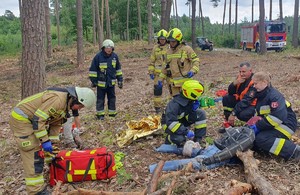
(87, 169)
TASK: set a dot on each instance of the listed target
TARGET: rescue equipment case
(82, 165)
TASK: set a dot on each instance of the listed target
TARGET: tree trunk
(194, 24)
(127, 22)
(202, 19)
(163, 7)
(295, 26)
(80, 52)
(168, 14)
(20, 9)
(94, 23)
(48, 29)
(99, 26)
(270, 16)
(176, 10)
(262, 37)
(252, 11)
(235, 26)
(33, 42)
(229, 22)
(224, 14)
(102, 15)
(149, 12)
(57, 21)
(108, 28)
(280, 10)
(139, 20)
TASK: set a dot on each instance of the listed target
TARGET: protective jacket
(105, 70)
(179, 115)
(276, 112)
(244, 94)
(158, 59)
(46, 111)
(180, 61)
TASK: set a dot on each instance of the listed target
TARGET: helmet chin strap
(175, 45)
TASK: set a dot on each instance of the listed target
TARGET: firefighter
(182, 63)
(278, 123)
(240, 102)
(157, 63)
(105, 73)
(183, 111)
(36, 122)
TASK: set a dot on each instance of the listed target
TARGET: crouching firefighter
(36, 122)
(183, 111)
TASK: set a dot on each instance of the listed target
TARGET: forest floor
(218, 68)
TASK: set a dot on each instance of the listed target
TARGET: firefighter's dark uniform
(240, 100)
(178, 116)
(278, 124)
(105, 72)
(180, 61)
(34, 120)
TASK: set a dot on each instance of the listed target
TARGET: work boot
(44, 192)
(226, 126)
(296, 154)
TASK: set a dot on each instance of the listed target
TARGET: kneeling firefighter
(36, 122)
(181, 112)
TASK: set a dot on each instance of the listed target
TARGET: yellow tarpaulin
(137, 129)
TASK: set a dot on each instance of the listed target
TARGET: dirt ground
(217, 70)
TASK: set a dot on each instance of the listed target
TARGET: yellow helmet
(192, 89)
(162, 34)
(175, 35)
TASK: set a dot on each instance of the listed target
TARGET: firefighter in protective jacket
(36, 122)
(183, 111)
(157, 63)
(182, 62)
(240, 101)
(105, 73)
(278, 121)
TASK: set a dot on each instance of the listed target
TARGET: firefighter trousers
(229, 103)
(274, 142)
(33, 164)
(111, 101)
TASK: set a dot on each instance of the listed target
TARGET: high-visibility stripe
(54, 137)
(103, 65)
(93, 74)
(93, 151)
(200, 124)
(277, 146)
(151, 68)
(119, 73)
(181, 115)
(69, 176)
(93, 167)
(277, 124)
(101, 83)
(91, 172)
(68, 153)
(41, 114)
(265, 110)
(39, 134)
(32, 181)
(30, 98)
(112, 112)
(227, 108)
(174, 126)
(287, 103)
(19, 117)
(101, 112)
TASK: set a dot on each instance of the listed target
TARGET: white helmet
(86, 96)
(108, 43)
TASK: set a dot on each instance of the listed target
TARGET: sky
(215, 14)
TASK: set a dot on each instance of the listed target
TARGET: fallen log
(253, 176)
(238, 188)
(155, 177)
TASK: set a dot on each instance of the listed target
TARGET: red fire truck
(275, 32)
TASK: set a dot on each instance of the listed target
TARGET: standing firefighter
(183, 111)
(157, 63)
(36, 122)
(105, 72)
(182, 62)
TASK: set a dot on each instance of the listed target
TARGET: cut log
(155, 176)
(253, 175)
(238, 188)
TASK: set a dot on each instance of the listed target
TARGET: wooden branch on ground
(155, 177)
(81, 191)
(238, 188)
(57, 187)
(253, 176)
(169, 192)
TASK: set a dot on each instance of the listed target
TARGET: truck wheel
(257, 47)
(210, 48)
(244, 47)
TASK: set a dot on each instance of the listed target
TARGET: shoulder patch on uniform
(52, 111)
(274, 104)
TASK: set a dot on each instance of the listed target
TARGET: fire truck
(275, 33)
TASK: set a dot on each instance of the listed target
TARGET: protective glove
(190, 74)
(253, 120)
(159, 83)
(47, 146)
(93, 85)
(255, 129)
(152, 76)
(190, 134)
(196, 105)
(120, 84)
